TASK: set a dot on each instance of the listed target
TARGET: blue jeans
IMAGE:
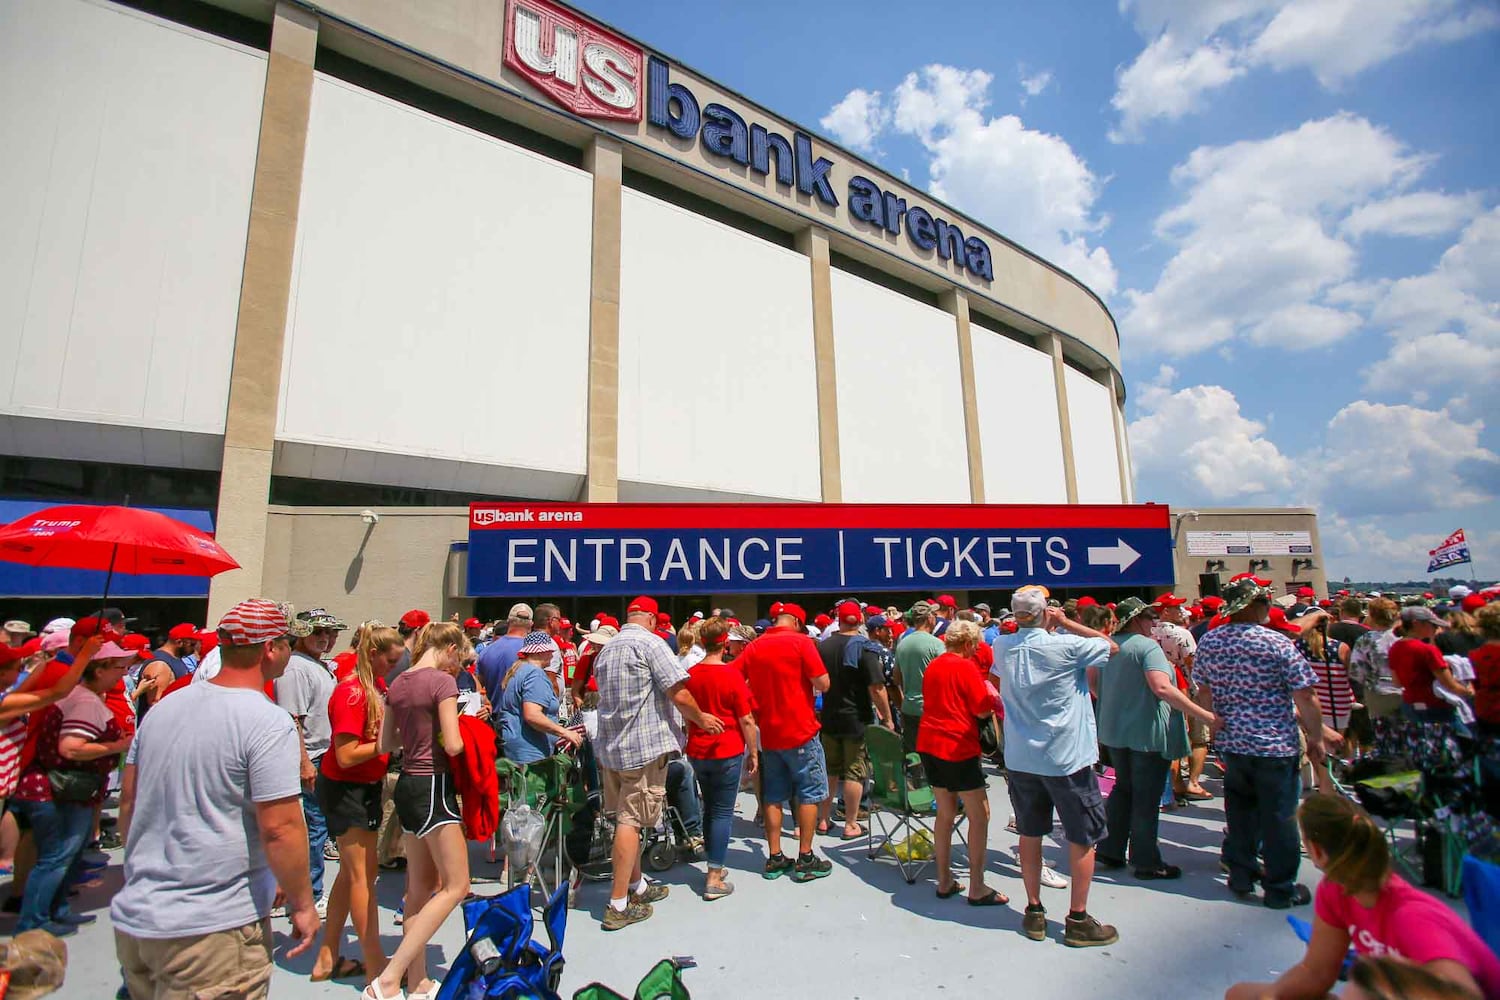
(682, 793)
(719, 781)
(59, 829)
(317, 838)
(1260, 803)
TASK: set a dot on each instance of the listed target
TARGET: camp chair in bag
(528, 970)
(554, 787)
(663, 982)
(902, 797)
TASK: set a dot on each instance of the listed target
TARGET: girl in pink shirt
(1362, 902)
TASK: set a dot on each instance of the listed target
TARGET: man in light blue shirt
(1050, 749)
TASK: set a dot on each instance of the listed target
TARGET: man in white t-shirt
(218, 825)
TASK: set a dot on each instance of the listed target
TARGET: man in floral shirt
(1259, 686)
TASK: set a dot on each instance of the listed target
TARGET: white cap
(58, 625)
(1458, 592)
(1029, 602)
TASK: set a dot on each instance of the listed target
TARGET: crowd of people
(248, 756)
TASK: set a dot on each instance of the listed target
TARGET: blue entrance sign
(541, 549)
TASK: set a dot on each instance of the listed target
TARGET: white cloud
(1166, 82)
(1033, 84)
(1403, 459)
(1027, 184)
(1255, 238)
(1420, 213)
(1197, 46)
(1432, 359)
(1195, 443)
(857, 120)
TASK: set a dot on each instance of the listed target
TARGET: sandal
(372, 992)
(953, 890)
(992, 898)
(425, 994)
(1160, 871)
(343, 968)
(862, 834)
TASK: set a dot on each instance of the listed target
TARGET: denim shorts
(799, 773)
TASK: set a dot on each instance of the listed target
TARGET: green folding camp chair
(663, 982)
(901, 799)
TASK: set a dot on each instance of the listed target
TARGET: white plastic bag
(521, 834)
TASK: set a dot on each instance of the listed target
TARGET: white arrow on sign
(1119, 554)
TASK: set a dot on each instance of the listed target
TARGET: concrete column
(603, 160)
(1122, 443)
(255, 375)
(1064, 421)
(957, 303)
(814, 243)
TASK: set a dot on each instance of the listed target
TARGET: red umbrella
(128, 540)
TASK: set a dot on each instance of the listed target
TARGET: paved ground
(864, 933)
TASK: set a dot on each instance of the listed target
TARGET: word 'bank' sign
(556, 549)
(585, 68)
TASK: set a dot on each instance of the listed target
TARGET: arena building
(324, 273)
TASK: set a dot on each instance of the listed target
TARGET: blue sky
(1289, 205)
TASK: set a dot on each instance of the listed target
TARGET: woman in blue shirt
(529, 704)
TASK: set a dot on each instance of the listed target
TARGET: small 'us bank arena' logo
(587, 69)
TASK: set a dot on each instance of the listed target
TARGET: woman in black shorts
(954, 700)
(422, 718)
(348, 790)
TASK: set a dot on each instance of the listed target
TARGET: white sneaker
(322, 907)
(1052, 880)
(277, 912)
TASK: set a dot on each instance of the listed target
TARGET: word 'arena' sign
(596, 549)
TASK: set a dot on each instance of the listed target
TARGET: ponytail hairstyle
(1358, 857)
(440, 635)
(373, 638)
(687, 637)
(712, 634)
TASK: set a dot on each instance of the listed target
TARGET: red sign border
(824, 516)
(584, 105)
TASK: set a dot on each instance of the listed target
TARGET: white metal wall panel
(717, 386)
(440, 292)
(129, 152)
(1096, 461)
(1018, 427)
(901, 416)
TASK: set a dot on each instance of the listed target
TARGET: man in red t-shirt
(784, 672)
(1417, 666)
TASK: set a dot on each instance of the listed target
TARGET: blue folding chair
(528, 969)
(1303, 930)
(1482, 896)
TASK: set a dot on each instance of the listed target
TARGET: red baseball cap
(139, 642)
(1087, 602)
(945, 601)
(1277, 620)
(1250, 576)
(795, 610)
(1472, 603)
(822, 621)
(1169, 600)
(849, 612)
(1326, 602)
(642, 605)
(473, 623)
(83, 628)
(1213, 603)
(608, 620)
(183, 631)
(1426, 595)
(1110, 605)
(1306, 592)
(662, 618)
(873, 609)
(416, 618)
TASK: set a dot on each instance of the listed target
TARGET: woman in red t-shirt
(720, 690)
(954, 699)
(1486, 663)
(348, 791)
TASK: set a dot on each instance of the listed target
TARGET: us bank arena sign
(594, 73)
(524, 549)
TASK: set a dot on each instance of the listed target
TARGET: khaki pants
(390, 845)
(225, 965)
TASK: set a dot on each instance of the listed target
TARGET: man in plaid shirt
(639, 683)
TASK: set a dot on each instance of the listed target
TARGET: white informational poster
(1218, 543)
(1281, 543)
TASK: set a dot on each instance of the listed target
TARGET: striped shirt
(80, 713)
(637, 720)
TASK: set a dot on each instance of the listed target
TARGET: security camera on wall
(369, 517)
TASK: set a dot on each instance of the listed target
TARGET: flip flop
(343, 968)
(1204, 796)
(953, 890)
(992, 898)
(846, 835)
